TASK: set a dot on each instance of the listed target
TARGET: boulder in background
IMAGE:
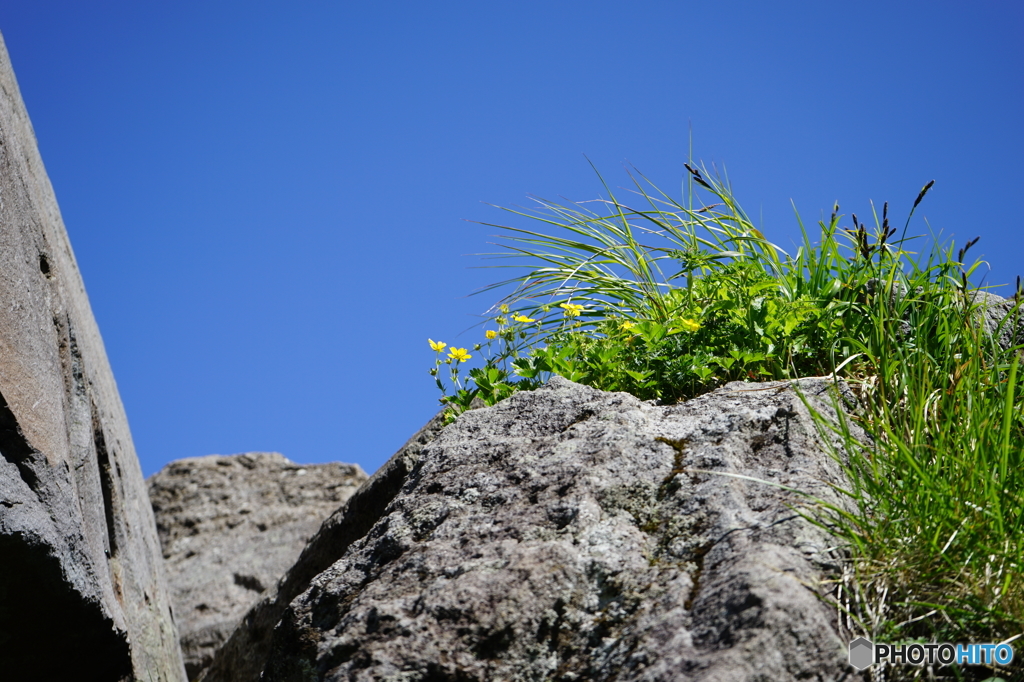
(230, 527)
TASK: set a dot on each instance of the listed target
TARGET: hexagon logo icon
(862, 653)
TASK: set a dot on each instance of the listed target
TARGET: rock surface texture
(571, 534)
(82, 590)
(230, 527)
(999, 317)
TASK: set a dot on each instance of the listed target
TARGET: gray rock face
(230, 527)
(571, 534)
(82, 591)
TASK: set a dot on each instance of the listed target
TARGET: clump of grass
(668, 299)
(939, 490)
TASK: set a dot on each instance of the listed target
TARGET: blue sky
(268, 200)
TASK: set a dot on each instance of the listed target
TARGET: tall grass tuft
(937, 539)
(668, 298)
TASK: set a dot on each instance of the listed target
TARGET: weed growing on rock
(667, 300)
(936, 540)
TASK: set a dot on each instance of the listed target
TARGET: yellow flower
(503, 308)
(438, 346)
(571, 309)
(627, 325)
(460, 354)
(490, 333)
(523, 318)
(691, 325)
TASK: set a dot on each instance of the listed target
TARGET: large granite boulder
(82, 591)
(572, 534)
(230, 527)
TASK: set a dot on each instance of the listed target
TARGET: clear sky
(267, 200)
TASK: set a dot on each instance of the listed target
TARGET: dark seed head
(924, 190)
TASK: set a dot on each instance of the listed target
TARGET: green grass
(936, 539)
(668, 298)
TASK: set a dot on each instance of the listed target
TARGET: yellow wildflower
(523, 318)
(503, 308)
(460, 354)
(490, 334)
(571, 309)
(691, 325)
(627, 325)
(438, 346)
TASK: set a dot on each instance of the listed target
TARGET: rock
(571, 534)
(82, 591)
(245, 653)
(230, 527)
(992, 312)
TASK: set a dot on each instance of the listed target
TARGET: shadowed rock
(82, 592)
(230, 527)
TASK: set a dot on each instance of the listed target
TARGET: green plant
(936, 537)
(668, 300)
(609, 310)
(491, 382)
